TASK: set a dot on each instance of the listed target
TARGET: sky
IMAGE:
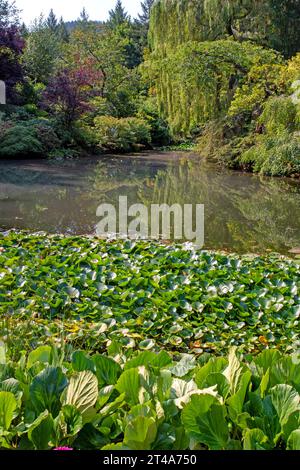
(70, 9)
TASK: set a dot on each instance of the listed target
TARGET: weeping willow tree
(200, 51)
(174, 22)
(196, 82)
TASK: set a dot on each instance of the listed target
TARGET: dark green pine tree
(117, 16)
(62, 30)
(84, 17)
(144, 17)
(51, 21)
(24, 30)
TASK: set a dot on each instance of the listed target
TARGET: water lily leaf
(147, 344)
(73, 293)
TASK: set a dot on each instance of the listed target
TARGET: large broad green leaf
(46, 388)
(140, 433)
(236, 401)
(107, 370)
(204, 419)
(264, 383)
(115, 447)
(214, 365)
(41, 433)
(146, 409)
(82, 391)
(69, 421)
(13, 386)
(292, 423)
(218, 380)
(166, 437)
(118, 403)
(186, 363)
(182, 390)
(147, 358)
(104, 395)
(285, 400)
(129, 383)
(263, 415)
(233, 371)
(286, 371)
(164, 382)
(81, 362)
(41, 354)
(89, 438)
(255, 439)
(266, 359)
(8, 405)
(293, 442)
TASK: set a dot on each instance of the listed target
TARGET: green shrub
(160, 134)
(279, 115)
(19, 140)
(25, 138)
(122, 134)
(274, 156)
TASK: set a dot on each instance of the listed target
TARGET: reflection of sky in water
(242, 212)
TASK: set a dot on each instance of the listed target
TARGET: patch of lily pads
(145, 295)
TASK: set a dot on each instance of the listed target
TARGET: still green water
(243, 212)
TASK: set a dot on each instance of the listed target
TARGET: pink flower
(63, 448)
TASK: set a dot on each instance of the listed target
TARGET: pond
(243, 212)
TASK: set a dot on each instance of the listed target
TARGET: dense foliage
(52, 398)
(72, 78)
(146, 294)
(215, 65)
(208, 71)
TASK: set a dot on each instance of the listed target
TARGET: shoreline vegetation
(223, 76)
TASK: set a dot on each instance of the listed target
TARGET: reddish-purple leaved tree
(69, 91)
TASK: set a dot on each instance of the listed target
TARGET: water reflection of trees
(242, 212)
